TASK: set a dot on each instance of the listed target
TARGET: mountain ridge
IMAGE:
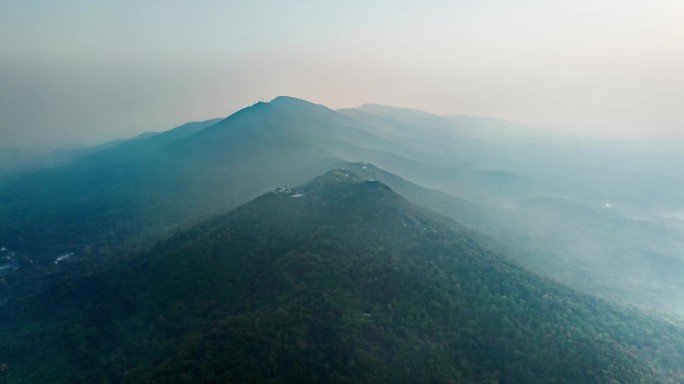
(339, 279)
(124, 197)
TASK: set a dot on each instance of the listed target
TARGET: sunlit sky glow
(84, 71)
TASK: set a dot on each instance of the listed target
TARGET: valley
(292, 242)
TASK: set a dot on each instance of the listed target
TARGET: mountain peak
(343, 191)
(281, 104)
(294, 105)
(332, 181)
(288, 99)
(338, 176)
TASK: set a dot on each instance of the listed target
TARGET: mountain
(134, 191)
(602, 217)
(14, 160)
(142, 188)
(139, 189)
(338, 280)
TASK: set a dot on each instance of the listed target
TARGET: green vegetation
(604, 218)
(340, 280)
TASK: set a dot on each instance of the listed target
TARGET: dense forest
(601, 217)
(172, 212)
(339, 280)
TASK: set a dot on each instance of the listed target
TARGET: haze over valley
(600, 218)
(341, 192)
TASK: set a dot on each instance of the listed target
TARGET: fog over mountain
(337, 280)
(501, 226)
(341, 192)
(74, 72)
(604, 217)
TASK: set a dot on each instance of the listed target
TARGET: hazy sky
(94, 70)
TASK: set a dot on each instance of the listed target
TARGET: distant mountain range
(337, 280)
(602, 217)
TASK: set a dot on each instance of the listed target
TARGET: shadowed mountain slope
(139, 189)
(605, 218)
(338, 280)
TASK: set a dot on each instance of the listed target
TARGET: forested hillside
(339, 280)
(602, 217)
